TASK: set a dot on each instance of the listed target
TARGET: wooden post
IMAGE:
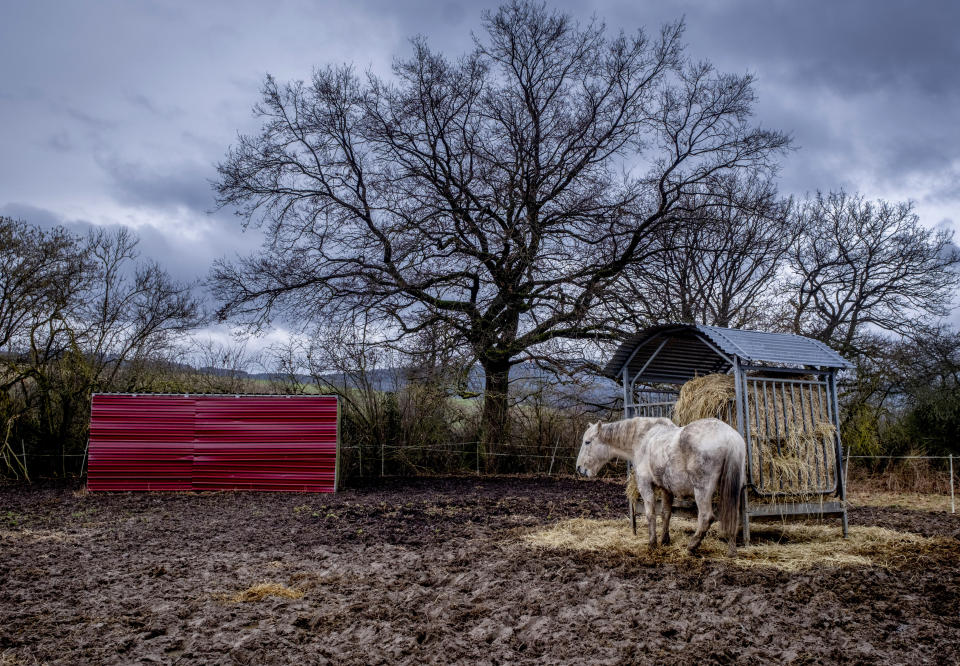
(553, 455)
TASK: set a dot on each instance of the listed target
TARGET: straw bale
(704, 397)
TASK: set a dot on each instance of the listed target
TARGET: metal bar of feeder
(756, 401)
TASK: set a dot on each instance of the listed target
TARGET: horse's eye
(587, 443)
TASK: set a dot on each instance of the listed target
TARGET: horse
(693, 460)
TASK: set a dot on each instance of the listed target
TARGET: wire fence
(473, 449)
(891, 458)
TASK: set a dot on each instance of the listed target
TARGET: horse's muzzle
(582, 472)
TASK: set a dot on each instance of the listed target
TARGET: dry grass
(633, 493)
(902, 476)
(899, 500)
(789, 547)
(261, 591)
(39, 535)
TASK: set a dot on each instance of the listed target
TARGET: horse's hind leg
(705, 517)
(649, 506)
(667, 510)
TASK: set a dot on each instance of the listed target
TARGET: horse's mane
(624, 434)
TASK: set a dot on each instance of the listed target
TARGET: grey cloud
(131, 104)
(61, 142)
(144, 103)
(186, 185)
(186, 258)
(40, 217)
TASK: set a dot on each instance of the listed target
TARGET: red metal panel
(265, 443)
(140, 442)
(204, 442)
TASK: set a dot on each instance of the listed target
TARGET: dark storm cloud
(116, 112)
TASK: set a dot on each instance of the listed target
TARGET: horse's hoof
(665, 542)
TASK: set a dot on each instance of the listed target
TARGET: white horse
(694, 460)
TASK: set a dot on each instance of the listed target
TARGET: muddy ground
(433, 571)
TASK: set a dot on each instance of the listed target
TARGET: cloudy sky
(117, 112)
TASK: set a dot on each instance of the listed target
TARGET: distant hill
(525, 377)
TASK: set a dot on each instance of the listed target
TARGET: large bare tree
(861, 267)
(500, 194)
(722, 264)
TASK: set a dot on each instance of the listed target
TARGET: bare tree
(42, 273)
(721, 264)
(78, 315)
(859, 267)
(501, 194)
(129, 310)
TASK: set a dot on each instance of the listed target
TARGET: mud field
(446, 571)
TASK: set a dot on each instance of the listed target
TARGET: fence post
(953, 504)
(846, 469)
(553, 455)
(86, 452)
(478, 457)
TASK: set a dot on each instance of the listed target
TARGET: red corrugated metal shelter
(213, 442)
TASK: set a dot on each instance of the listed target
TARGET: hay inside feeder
(792, 437)
(703, 398)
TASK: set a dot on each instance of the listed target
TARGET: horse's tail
(731, 484)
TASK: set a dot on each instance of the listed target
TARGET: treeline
(82, 314)
(864, 277)
(85, 314)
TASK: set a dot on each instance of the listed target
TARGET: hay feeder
(778, 390)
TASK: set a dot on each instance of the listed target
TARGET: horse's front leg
(649, 498)
(667, 510)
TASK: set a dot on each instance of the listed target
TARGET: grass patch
(788, 547)
(899, 500)
(38, 535)
(261, 591)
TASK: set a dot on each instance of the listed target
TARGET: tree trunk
(495, 422)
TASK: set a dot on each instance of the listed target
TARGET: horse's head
(594, 454)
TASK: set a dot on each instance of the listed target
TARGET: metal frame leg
(631, 505)
(745, 518)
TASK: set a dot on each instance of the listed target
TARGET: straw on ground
(261, 591)
(790, 547)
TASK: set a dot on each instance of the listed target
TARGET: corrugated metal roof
(677, 352)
